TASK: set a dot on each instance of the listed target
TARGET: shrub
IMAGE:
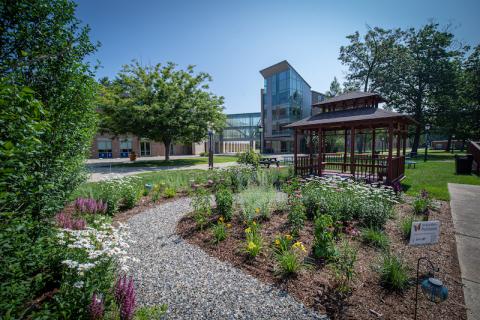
(393, 272)
(201, 206)
(249, 157)
(422, 203)
(291, 261)
(282, 243)
(296, 215)
(224, 200)
(406, 226)
(375, 238)
(240, 177)
(344, 266)
(257, 202)
(253, 239)
(90, 206)
(324, 245)
(151, 312)
(130, 195)
(219, 231)
(170, 192)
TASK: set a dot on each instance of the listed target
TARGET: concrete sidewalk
(465, 204)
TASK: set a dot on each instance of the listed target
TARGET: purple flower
(96, 307)
(124, 293)
(89, 205)
(424, 194)
(65, 221)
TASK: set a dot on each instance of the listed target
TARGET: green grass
(434, 177)
(176, 162)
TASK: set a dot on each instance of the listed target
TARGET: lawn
(434, 176)
(176, 162)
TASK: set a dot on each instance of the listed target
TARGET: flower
(248, 230)
(78, 284)
(251, 245)
(277, 242)
(288, 237)
(254, 223)
(221, 219)
(299, 245)
(96, 307)
(257, 210)
(229, 225)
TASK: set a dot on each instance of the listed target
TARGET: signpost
(424, 232)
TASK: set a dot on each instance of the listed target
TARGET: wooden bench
(269, 161)
(410, 163)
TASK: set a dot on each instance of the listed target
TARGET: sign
(424, 232)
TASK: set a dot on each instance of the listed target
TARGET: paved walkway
(106, 172)
(193, 284)
(465, 204)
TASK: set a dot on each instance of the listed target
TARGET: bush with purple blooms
(125, 297)
(90, 205)
(66, 221)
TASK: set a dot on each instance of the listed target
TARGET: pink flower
(124, 293)
(96, 307)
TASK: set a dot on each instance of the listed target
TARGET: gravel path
(193, 284)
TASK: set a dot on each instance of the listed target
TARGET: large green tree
(43, 47)
(162, 103)
(335, 88)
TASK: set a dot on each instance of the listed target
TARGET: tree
(42, 51)
(161, 103)
(365, 58)
(471, 93)
(418, 73)
(335, 88)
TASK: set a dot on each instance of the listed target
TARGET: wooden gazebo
(352, 114)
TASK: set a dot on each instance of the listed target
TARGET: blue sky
(233, 40)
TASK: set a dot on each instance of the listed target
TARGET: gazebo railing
(365, 167)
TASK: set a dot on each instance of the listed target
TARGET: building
(285, 98)
(240, 133)
(110, 146)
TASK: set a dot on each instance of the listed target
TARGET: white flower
(78, 284)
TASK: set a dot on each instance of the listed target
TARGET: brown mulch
(314, 286)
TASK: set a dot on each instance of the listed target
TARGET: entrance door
(144, 148)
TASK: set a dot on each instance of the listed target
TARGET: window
(125, 147)
(104, 147)
(144, 148)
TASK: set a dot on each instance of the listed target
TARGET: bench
(269, 161)
(410, 163)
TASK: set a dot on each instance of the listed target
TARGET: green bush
(324, 244)
(201, 206)
(249, 157)
(406, 226)
(296, 215)
(375, 238)
(393, 272)
(257, 202)
(289, 262)
(422, 203)
(219, 231)
(344, 266)
(224, 200)
(254, 240)
(170, 192)
(130, 196)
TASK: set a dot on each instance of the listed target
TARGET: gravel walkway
(193, 284)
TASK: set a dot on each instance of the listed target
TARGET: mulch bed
(314, 286)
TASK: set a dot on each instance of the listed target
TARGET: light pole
(210, 148)
(260, 130)
(452, 147)
(427, 131)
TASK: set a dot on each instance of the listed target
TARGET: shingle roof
(349, 96)
(348, 115)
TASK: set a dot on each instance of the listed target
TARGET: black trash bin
(463, 164)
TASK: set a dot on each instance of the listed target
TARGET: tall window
(125, 147)
(144, 148)
(104, 147)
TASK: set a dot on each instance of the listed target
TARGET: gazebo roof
(349, 97)
(347, 117)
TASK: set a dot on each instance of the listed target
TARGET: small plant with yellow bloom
(289, 258)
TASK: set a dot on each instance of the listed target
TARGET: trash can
(463, 164)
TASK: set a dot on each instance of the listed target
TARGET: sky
(233, 40)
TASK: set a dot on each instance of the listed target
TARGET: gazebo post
(310, 149)
(352, 151)
(295, 135)
(399, 134)
(373, 151)
(404, 142)
(345, 144)
(319, 161)
(390, 147)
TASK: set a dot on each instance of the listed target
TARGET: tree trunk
(167, 144)
(416, 139)
(449, 143)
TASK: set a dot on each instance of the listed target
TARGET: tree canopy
(162, 103)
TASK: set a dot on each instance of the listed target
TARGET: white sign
(424, 232)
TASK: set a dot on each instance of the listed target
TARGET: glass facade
(286, 98)
(241, 127)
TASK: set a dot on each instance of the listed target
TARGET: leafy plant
(282, 243)
(375, 238)
(253, 239)
(249, 157)
(344, 266)
(324, 245)
(296, 215)
(219, 230)
(290, 261)
(131, 194)
(201, 206)
(151, 312)
(170, 192)
(224, 200)
(422, 203)
(393, 272)
(406, 226)
(256, 202)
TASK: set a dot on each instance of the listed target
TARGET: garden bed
(315, 284)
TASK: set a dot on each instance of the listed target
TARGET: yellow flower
(299, 245)
(221, 219)
(254, 223)
(257, 210)
(277, 242)
(248, 230)
(289, 237)
(251, 245)
(229, 225)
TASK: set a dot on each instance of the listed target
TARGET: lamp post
(383, 139)
(427, 131)
(260, 130)
(452, 147)
(210, 148)
(432, 287)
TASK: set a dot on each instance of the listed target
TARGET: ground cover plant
(343, 268)
(177, 162)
